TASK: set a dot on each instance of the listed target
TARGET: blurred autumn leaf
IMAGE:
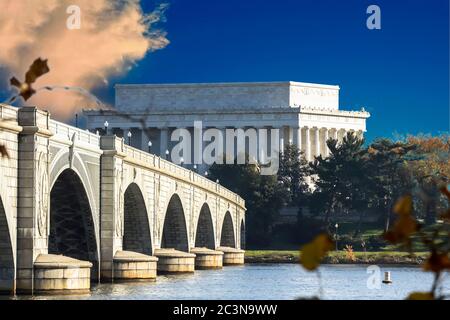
(445, 191)
(405, 225)
(437, 262)
(404, 206)
(38, 68)
(312, 253)
(420, 296)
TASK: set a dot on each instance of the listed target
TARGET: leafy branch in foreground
(38, 68)
(408, 232)
(312, 254)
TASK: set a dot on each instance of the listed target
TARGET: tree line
(354, 179)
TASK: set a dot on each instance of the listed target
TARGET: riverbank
(337, 257)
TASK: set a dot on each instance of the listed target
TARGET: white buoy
(387, 277)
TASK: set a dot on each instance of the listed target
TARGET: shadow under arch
(242, 234)
(204, 236)
(72, 231)
(174, 233)
(227, 238)
(136, 235)
(6, 254)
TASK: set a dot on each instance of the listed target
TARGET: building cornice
(228, 84)
(341, 113)
(275, 110)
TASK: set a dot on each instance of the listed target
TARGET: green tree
(339, 179)
(387, 174)
(293, 173)
(429, 169)
(264, 196)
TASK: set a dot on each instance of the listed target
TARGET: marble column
(360, 134)
(220, 156)
(317, 141)
(290, 131)
(203, 167)
(164, 139)
(144, 140)
(191, 156)
(298, 138)
(230, 146)
(263, 144)
(325, 146)
(136, 137)
(281, 129)
(335, 134)
(341, 135)
(307, 144)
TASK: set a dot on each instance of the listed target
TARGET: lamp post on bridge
(167, 154)
(106, 125)
(336, 235)
(149, 146)
(129, 135)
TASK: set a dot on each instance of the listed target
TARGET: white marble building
(307, 114)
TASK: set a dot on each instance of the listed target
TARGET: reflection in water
(266, 281)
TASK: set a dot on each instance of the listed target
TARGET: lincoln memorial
(306, 114)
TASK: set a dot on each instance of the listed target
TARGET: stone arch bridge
(77, 207)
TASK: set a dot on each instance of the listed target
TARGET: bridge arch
(227, 236)
(60, 163)
(137, 236)
(175, 234)
(72, 230)
(242, 236)
(6, 254)
(204, 235)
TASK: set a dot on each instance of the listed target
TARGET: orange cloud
(113, 36)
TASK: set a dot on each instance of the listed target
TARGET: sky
(400, 74)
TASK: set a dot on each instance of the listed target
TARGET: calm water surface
(267, 281)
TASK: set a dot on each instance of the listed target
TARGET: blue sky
(399, 73)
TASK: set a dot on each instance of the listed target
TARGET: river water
(267, 281)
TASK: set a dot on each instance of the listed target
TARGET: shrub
(349, 254)
(375, 243)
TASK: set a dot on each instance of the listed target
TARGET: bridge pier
(174, 261)
(232, 256)
(57, 274)
(131, 266)
(207, 259)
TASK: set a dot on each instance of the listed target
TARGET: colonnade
(310, 140)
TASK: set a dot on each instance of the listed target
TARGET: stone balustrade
(77, 207)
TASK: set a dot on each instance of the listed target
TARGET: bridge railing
(68, 132)
(8, 113)
(181, 173)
